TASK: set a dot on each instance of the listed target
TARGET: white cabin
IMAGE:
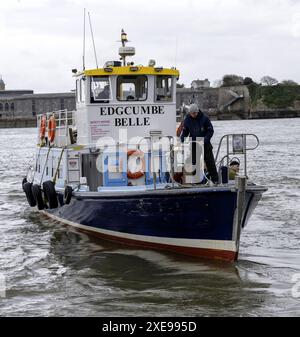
(136, 98)
(119, 104)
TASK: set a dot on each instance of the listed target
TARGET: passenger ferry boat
(109, 168)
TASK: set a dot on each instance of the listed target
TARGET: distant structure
(200, 84)
(27, 104)
(2, 84)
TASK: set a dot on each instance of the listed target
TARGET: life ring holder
(139, 154)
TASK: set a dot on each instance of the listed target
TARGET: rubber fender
(27, 188)
(38, 196)
(50, 194)
(68, 195)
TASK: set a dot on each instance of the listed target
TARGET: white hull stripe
(190, 243)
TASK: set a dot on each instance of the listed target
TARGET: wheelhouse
(129, 97)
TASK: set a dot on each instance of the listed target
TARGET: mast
(83, 53)
(124, 40)
(125, 51)
(96, 60)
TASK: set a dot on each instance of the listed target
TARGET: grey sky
(41, 40)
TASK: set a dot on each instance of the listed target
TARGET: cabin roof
(129, 70)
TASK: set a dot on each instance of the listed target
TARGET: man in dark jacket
(197, 124)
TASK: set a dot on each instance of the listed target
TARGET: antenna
(93, 40)
(125, 51)
(176, 51)
(83, 54)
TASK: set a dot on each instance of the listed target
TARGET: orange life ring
(51, 129)
(43, 127)
(140, 173)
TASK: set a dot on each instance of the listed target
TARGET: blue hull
(179, 221)
(196, 216)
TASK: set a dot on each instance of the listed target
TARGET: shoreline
(10, 123)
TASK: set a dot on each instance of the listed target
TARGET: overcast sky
(41, 40)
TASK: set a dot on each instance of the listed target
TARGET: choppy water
(51, 270)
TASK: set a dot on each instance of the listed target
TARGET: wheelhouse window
(132, 88)
(164, 88)
(80, 91)
(100, 89)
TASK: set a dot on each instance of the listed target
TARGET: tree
(232, 80)
(247, 81)
(217, 83)
(268, 80)
(289, 83)
(180, 86)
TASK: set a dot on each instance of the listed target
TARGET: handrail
(241, 150)
(244, 134)
(154, 154)
(63, 118)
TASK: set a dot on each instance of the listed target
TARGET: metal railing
(174, 157)
(176, 154)
(64, 120)
(236, 144)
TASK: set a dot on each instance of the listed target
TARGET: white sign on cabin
(139, 120)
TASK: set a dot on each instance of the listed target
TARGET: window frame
(78, 91)
(131, 100)
(171, 100)
(82, 90)
(94, 100)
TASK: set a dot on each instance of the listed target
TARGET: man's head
(235, 165)
(193, 110)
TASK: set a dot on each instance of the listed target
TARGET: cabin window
(82, 90)
(100, 89)
(132, 88)
(77, 91)
(164, 88)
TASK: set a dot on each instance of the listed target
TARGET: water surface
(51, 270)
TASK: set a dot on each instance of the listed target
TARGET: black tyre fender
(28, 192)
(24, 181)
(50, 194)
(68, 195)
(38, 196)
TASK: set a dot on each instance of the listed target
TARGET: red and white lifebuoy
(43, 127)
(51, 129)
(132, 157)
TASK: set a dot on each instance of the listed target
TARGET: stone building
(27, 104)
(218, 103)
(200, 84)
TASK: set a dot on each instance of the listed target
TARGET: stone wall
(29, 105)
(232, 103)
